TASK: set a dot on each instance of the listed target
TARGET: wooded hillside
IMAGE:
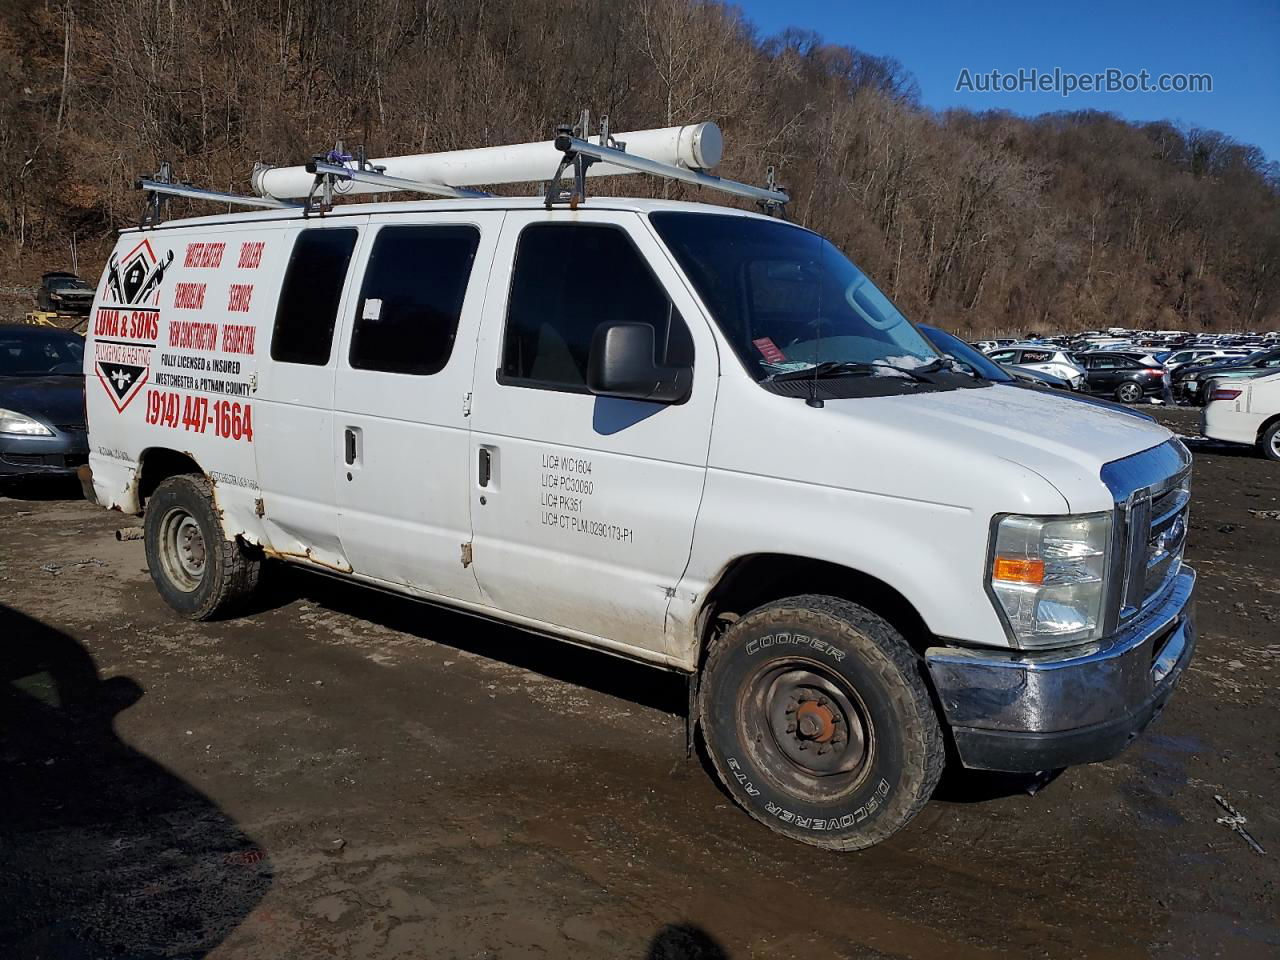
(980, 222)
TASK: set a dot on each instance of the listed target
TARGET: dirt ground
(343, 774)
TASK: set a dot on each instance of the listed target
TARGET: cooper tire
(818, 722)
(1270, 442)
(1128, 393)
(199, 573)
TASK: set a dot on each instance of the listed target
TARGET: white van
(688, 435)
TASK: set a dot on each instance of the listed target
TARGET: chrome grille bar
(1152, 504)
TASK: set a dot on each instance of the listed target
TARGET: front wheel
(817, 720)
(197, 571)
(1270, 442)
(1128, 393)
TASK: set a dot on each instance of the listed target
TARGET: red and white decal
(122, 369)
(251, 254)
(204, 255)
(238, 296)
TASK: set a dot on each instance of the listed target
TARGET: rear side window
(1036, 356)
(569, 279)
(310, 296)
(412, 297)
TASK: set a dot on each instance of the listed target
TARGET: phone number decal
(222, 418)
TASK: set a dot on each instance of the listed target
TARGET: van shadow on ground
(591, 669)
(611, 675)
(103, 852)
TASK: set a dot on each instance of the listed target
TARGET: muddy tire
(1269, 442)
(198, 572)
(817, 720)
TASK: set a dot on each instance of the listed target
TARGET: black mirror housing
(622, 364)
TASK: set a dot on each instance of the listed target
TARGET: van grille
(1153, 499)
(1157, 539)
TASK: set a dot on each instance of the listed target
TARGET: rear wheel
(819, 724)
(1128, 393)
(198, 572)
(1270, 442)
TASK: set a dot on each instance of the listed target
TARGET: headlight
(1048, 577)
(11, 422)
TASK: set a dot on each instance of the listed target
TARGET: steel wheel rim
(807, 728)
(1275, 444)
(183, 552)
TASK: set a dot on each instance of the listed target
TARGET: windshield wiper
(827, 368)
(933, 366)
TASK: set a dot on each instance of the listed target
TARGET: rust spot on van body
(307, 557)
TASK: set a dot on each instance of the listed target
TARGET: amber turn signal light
(1019, 570)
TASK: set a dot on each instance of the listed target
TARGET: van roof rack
(161, 185)
(684, 154)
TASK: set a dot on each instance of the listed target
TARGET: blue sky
(1237, 42)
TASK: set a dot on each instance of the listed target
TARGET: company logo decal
(127, 325)
(135, 279)
(123, 369)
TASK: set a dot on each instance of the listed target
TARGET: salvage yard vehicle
(1125, 378)
(1190, 381)
(1245, 411)
(689, 435)
(64, 294)
(42, 409)
(1046, 359)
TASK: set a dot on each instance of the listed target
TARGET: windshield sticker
(769, 350)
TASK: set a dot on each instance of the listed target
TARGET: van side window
(568, 279)
(310, 296)
(411, 298)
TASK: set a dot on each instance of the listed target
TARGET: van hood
(1065, 442)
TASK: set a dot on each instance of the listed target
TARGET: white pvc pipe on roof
(697, 146)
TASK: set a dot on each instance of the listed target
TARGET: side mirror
(622, 365)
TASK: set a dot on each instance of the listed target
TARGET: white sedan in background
(1245, 411)
(1049, 359)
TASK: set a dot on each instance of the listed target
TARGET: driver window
(569, 279)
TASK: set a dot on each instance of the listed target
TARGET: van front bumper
(1029, 711)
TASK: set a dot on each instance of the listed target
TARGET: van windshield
(788, 300)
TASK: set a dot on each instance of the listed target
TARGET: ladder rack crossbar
(571, 145)
(197, 193)
(324, 168)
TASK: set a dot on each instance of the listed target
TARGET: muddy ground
(342, 774)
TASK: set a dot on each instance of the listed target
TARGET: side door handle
(486, 466)
(352, 446)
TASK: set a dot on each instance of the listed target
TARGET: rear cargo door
(403, 393)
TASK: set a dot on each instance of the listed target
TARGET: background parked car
(42, 416)
(64, 293)
(1123, 377)
(968, 356)
(1178, 358)
(1189, 380)
(1051, 360)
(1245, 411)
